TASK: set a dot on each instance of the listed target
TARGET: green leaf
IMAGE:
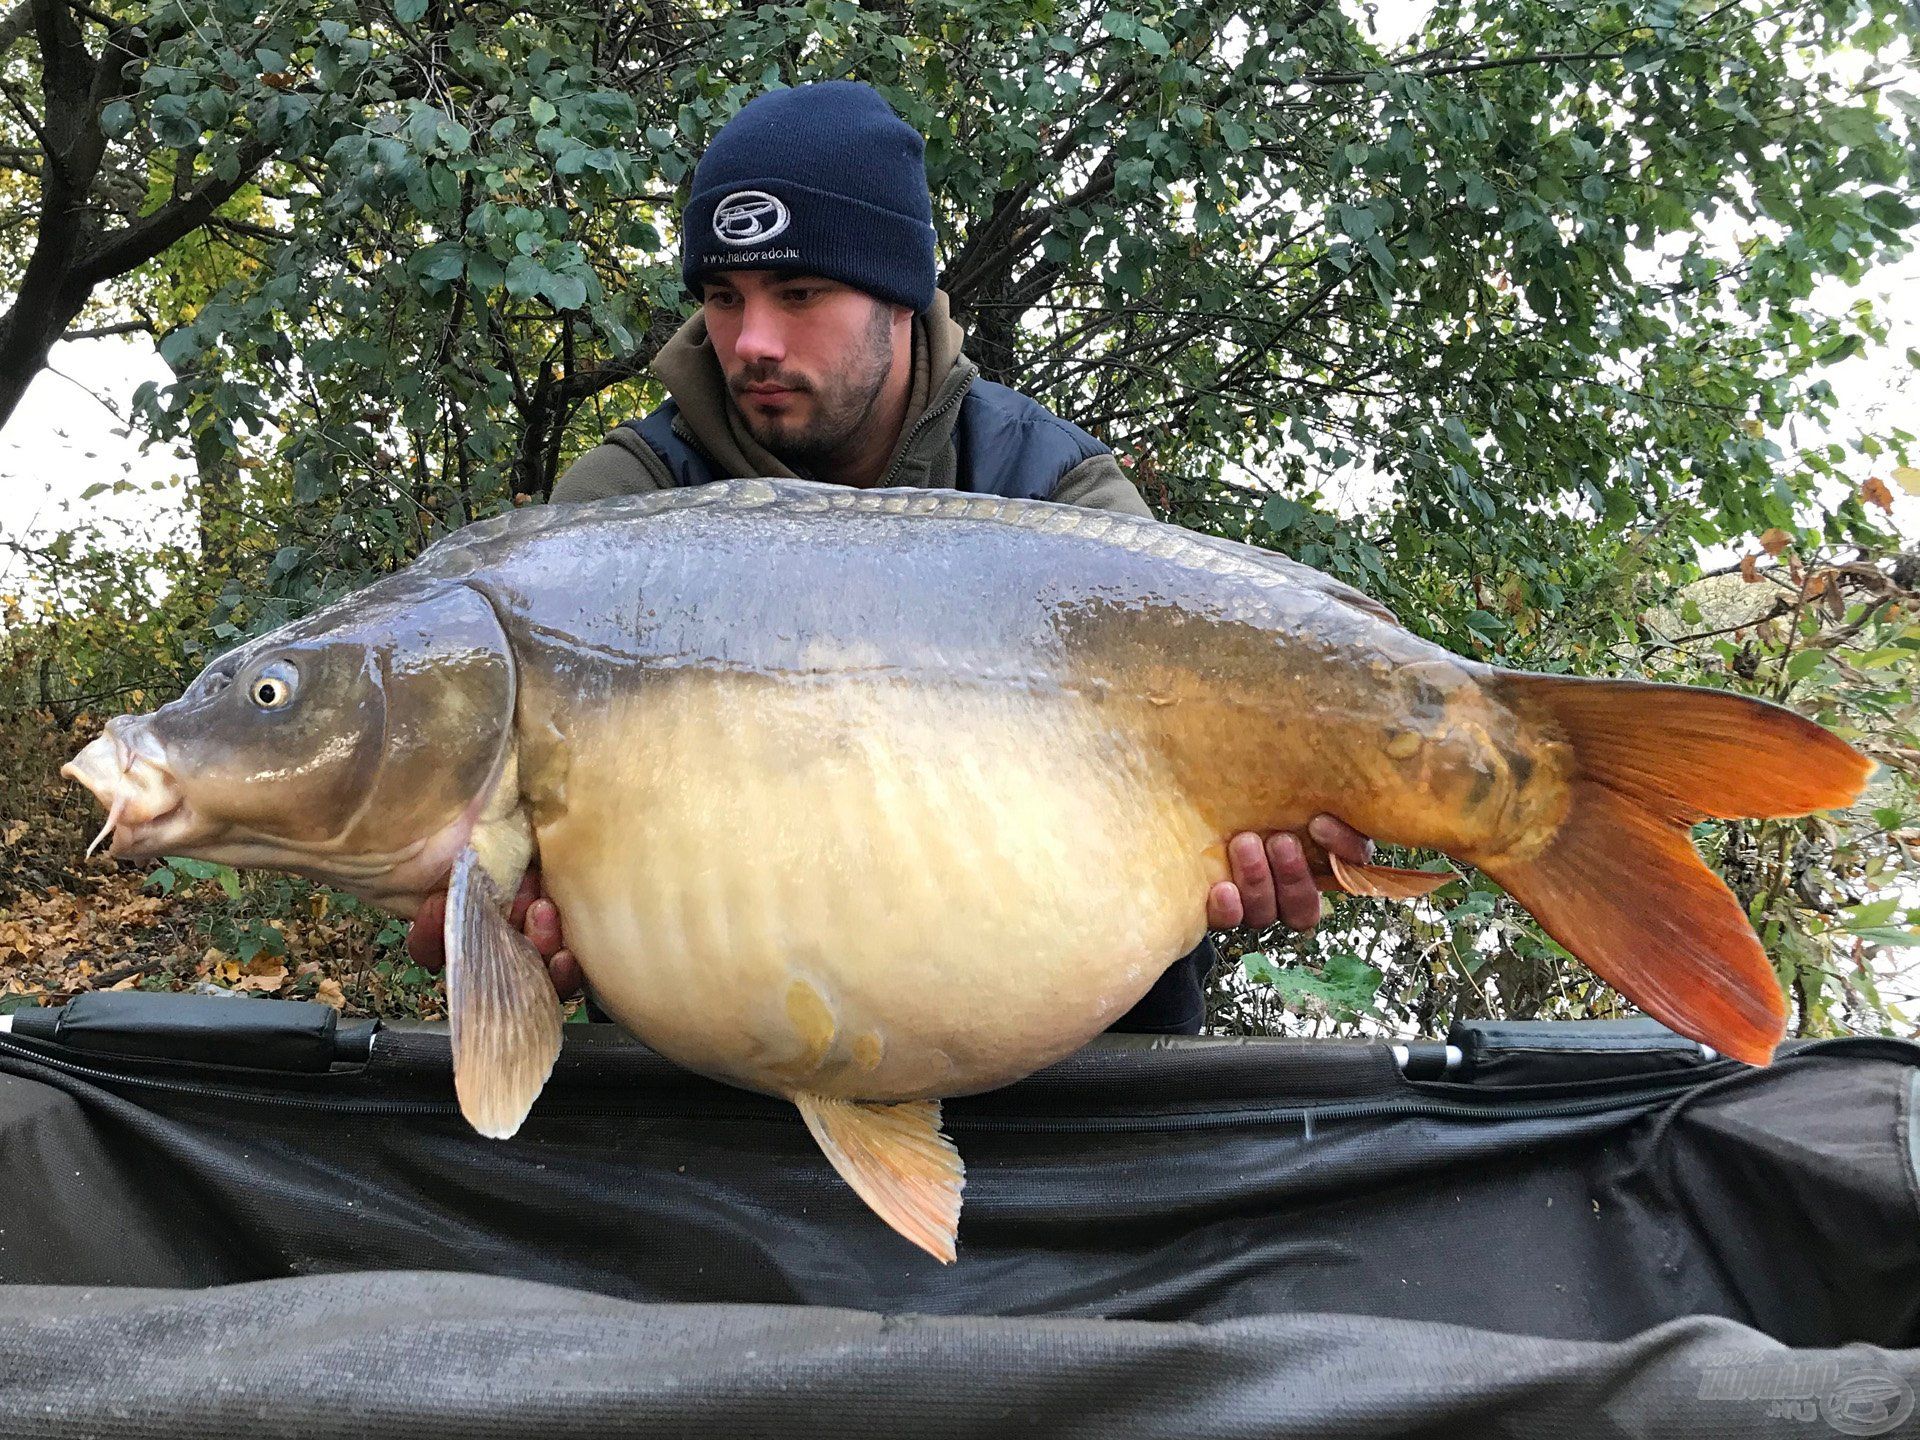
(172, 122)
(1804, 664)
(116, 119)
(409, 12)
(1856, 126)
(1873, 912)
(566, 292)
(1356, 220)
(1280, 514)
(441, 263)
(1887, 935)
(525, 277)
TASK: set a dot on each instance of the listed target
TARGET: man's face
(806, 359)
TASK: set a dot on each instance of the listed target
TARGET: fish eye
(273, 687)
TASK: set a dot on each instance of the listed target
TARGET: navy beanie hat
(824, 179)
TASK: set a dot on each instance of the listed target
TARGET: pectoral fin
(501, 1005)
(896, 1159)
(1387, 882)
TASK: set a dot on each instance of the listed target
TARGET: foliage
(1506, 324)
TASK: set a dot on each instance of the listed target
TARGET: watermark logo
(1850, 1400)
(747, 217)
(749, 259)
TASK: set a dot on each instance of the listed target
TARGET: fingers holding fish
(1253, 878)
(1224, 910)
(1271, 884)
(1295, 891)
(568, 978)
(523, 899)
(1274, 880)
(1339, 838)
(540, 922)
(426, 942)
(531, 913)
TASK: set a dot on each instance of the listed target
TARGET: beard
(843, 403)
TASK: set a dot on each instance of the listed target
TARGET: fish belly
(876, 889)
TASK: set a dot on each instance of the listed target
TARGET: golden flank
(987, 753)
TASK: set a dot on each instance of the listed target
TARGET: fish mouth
(126, 770)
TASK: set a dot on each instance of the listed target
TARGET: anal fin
(501, 1006)
(898, 1161)
(1387, 882)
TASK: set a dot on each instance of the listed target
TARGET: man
(822, 350)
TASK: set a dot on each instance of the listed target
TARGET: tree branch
(139, 242)
(100, 332)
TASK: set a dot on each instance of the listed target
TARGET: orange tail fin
(1619, 882)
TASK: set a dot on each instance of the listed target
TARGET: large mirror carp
(868, 798)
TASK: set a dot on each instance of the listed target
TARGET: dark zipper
(927, 417)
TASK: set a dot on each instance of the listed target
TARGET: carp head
(356, 746)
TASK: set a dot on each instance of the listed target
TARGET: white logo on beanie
(747, 217)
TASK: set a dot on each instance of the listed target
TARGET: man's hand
(1271, 881)
(536, 916)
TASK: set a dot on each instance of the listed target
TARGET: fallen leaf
(1875, 492)
(328, 991)
(1748, 572)
(1775, 540)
